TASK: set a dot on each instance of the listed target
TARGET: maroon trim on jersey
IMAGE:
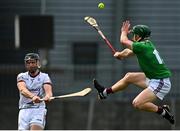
(47, 83)
(34, 75)
(20, 81)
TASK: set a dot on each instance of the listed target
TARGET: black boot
(168, 116)
(99, 89)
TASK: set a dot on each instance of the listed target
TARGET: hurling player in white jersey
(33, 85)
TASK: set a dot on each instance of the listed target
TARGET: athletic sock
(107, 91)
(161, 111)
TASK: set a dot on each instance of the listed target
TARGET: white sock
(105, 93)
(163, 113)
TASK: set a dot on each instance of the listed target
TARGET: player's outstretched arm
(124, 32)
(23, 90)
(124, 54)
(48, 92)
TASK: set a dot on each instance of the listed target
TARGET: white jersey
(34, 85)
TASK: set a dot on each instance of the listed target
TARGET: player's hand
(47, 99)
(125, 27)
(118, 55)
(36, 99)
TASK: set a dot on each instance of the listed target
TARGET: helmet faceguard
(29, 58)
(142, 31)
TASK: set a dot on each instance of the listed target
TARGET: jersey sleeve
(20, 77)
(138, 47)
(47, 79)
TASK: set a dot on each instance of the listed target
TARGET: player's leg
(136, 78)
(38, 119)
(144, 100)
(23, 119)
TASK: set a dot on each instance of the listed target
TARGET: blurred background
(73, 54)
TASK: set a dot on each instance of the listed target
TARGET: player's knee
(129, 77)
(137, 104)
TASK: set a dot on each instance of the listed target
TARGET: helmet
(141, 30)
(30, 56)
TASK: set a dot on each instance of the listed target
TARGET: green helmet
(141, 30)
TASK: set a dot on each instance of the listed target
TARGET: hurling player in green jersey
(154, 78)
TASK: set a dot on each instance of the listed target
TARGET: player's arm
(48, 92)
(23, 90)
(123, 37)
(124, 54)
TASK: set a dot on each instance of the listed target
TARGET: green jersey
(150, 61)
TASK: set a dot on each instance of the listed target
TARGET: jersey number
(159, 59)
